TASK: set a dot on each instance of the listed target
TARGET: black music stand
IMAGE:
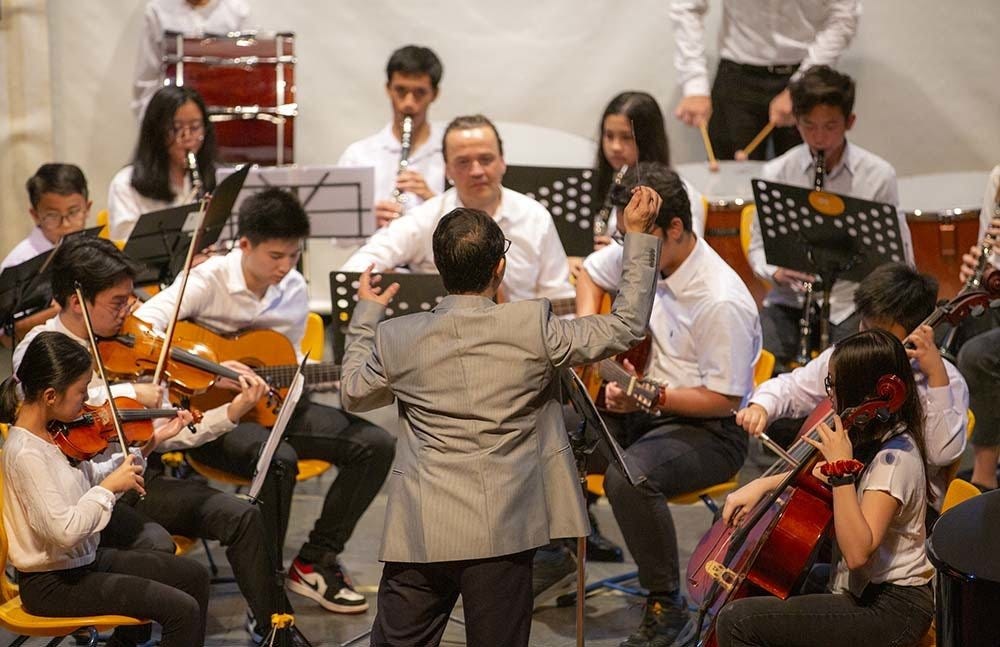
(830, 235)
(566, 193)
(418, 293)
(160, 239)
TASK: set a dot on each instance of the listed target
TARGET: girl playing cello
(53, 511)
(881, 578)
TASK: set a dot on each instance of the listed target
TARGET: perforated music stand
(566, 193)
(418, 293)
(827, 234)
(338, 200)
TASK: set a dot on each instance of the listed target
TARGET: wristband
(847, 479)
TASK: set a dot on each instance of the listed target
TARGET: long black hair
(650, 135)
(856, 365)
(151, 162)
(52, 360)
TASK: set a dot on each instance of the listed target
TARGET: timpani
(942, 211)
(726, 193)
(248, 83)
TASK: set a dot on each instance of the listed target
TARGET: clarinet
(985, 252)
(601, 221)
(805, 328)
(196, 184)
(404, 157)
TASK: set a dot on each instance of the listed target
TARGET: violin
(88, 434)
(771, 552)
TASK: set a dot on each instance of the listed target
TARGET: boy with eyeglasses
(60, 205)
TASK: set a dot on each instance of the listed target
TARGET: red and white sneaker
(329, 586)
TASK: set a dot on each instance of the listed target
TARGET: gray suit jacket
(484, 467)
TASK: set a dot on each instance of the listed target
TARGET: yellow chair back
(764, 367)
(959, 490)
(313, 339)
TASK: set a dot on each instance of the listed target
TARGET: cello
(771, 551)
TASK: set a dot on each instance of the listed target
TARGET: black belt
(774, 70)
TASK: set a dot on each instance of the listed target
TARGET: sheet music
(278, 430)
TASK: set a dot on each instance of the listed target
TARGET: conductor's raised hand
(370, 290)
(642, 209)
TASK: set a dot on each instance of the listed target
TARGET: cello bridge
(724, 576)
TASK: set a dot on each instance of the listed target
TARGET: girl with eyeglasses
(175, 123)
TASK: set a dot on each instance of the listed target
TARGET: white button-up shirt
(705, 328)
(796, 394)
(382, 152)
(536, 261)
(860, 174)
(36, 243)
(213, 17)
(762, 32)
(125, 204)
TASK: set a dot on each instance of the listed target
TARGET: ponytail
(9, 402)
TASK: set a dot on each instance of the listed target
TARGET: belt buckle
(782, 69)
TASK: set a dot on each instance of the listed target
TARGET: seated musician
(895, 298)
(412, 77)
(188, 17)
(54, 510)
(60, 205)
(473, 154)
(176, 122)
(881, 590)
(823, 104)
(705, 340)
(257, 286)
(184, 507)
(979, 356)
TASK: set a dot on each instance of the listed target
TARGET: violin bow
(92, 338)
(169, 334)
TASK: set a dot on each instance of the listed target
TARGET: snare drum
(942, 211)
(248, 83)
(726, 193)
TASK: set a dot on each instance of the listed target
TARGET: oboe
(601, 221)
(805, 326)
(404, 156)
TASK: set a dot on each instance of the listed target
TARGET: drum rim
(946, 215)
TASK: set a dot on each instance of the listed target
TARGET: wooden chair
(16, 620)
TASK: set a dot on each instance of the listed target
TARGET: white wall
(927, 72)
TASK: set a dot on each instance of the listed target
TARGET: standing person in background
(188, 17)
(175, 123)
(762, 46)
(412, 77)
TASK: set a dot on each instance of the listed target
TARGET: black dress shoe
(600, 548)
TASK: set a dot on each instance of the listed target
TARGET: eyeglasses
(53, 219)
(117, 306)
(506, 246)
(829, 384)
(194, 128)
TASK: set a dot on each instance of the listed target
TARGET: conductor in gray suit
(484, 473)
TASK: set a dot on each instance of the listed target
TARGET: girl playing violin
(880, 582)
(53, 511)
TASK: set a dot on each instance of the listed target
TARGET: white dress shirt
(213, 17)
(125, 204)
(36, 243)
(52, 512)
(382, 151)
(697, 211)
(705, 328)
(536, 261)
(762, 32)
(214, 422)
(860, 174)
(796, 394)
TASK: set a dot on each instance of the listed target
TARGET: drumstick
(713, 164)
(755, 142)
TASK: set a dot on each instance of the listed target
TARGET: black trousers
(193, 509)
(415, 600)
(170, 590)
(741, 96)
(979, 362)
(362, 452)
(676, 455)
(886, 615)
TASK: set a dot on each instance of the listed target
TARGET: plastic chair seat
(183, 545)
(712, 492)
(15, 619)
(308, 468)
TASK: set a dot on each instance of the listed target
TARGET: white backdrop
(927, 73)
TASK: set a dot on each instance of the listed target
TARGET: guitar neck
(648, 394)
(281, 376)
